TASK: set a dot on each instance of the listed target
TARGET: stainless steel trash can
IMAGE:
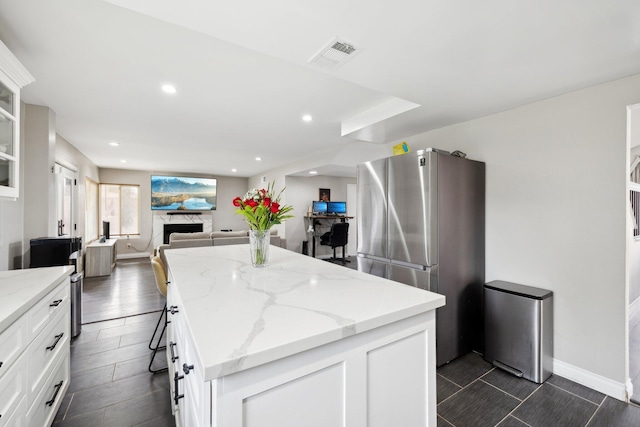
(76, 304)
(518, 329)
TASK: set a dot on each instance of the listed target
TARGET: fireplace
(180, 228)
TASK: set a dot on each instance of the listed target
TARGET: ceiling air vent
(335, 54)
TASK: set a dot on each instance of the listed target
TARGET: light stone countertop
(21, 289)
(241, 317)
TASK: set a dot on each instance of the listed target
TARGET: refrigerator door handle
(411, 265)
(373, 257)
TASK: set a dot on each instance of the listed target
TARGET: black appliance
(50, 251)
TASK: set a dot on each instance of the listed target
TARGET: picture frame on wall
(324, 194)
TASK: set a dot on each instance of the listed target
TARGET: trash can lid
(521, 290)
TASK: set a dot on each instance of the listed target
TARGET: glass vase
(259, 241)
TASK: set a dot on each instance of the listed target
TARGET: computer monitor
(319, 207)
(339, 208)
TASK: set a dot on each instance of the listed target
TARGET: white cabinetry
(34, 345)
(13, 76)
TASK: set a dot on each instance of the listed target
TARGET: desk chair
(338, 236)
(161, 283)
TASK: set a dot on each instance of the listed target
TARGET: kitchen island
(300, 342)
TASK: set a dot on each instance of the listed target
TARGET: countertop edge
(65, 271)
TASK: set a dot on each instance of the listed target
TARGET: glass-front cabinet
(8, 143)
(13, 76)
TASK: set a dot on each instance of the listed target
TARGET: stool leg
(163, 314)
(157, 346)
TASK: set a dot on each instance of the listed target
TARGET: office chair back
(339, 234)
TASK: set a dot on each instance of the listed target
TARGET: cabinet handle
(55, 343)
(176, 396)
(55, 394)
(173, 309)
(173, 356)
(186, 368)
(55, 303)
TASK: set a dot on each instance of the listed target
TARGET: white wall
(38, 181)
(301, 191)
(223, 217)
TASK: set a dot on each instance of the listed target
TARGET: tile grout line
(576, 395)
(595, 412)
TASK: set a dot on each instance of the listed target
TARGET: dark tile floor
(471, 393)
(110, 384)
(128, 291)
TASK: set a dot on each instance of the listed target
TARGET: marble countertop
(241, 317)
(21, 289)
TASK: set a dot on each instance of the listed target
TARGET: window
(120, 205)
(91, 207)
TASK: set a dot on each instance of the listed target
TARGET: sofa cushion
(188, 236)
(217, 234)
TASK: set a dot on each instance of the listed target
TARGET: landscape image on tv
(178, 193)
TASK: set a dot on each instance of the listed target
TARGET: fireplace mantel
(160, 219)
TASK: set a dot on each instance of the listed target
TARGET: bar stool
(161, 283)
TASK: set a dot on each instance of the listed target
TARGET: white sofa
(215, 238)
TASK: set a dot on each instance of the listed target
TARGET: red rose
(275, 207)
(266, 201)
(251, 203)
(237, 201)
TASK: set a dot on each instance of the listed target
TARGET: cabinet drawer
(19, 416)
(51, 345)
(13, 341)
(44, 407)
(13, 390)
(46, 309)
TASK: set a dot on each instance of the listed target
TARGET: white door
(66, 183)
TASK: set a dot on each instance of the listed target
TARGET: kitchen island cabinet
(299, 342)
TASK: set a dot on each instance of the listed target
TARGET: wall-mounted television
(338, 208)
(181, 193)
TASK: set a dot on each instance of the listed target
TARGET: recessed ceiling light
(258, 159)
(123, 161)
(169, 88)
(234, 170)
(307, 118)
(313, 172)
(114, 144)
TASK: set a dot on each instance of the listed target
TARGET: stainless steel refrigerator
(421, 222)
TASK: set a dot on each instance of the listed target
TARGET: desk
(312, 218)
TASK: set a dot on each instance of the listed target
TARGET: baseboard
(133, 255)
(634, 307)
(618, 390)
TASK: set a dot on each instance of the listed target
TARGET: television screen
(319, 207)
(170, 193)
(337, 207)
(105, 229)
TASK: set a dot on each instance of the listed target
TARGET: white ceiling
(243, 78)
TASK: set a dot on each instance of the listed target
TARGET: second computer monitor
(338, 208)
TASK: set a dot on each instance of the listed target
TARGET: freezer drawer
(420, 278)
(518, 329)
